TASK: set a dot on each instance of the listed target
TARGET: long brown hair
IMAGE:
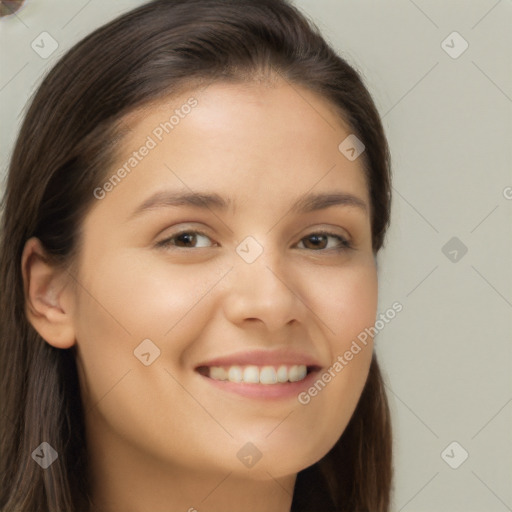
(68, 140)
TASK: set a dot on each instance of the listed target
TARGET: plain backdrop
(440, 73)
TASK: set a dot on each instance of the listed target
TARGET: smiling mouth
(252, 374)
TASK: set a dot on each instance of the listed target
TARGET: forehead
(255, 143)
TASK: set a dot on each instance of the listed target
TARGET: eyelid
(166, 241)
(345, 241)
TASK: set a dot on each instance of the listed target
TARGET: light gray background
(447, 356)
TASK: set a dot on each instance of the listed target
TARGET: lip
(277, 357)
(285, 390)
(263, 358)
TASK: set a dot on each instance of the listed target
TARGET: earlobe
(47, 296)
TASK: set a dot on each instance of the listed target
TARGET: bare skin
(161, 437)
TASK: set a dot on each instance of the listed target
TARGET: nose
(265, 291)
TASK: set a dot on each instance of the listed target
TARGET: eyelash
(345, 244)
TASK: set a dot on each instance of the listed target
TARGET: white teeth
(251, 374)
(268, 375)
(234, 373)
(296, 373)
(218, 373)
(282, 374)
(254, 374)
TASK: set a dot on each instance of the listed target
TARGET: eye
(319, 241)
(185, 239)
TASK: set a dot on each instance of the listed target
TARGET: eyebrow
(313, 202)
(212, 201)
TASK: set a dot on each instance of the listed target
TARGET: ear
(48, 296)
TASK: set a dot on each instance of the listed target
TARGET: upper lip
(262, 358)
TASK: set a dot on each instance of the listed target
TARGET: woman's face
(174, 295)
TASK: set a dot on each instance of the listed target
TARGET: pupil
(186, 236)
(316, 239)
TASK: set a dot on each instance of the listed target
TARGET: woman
(193, 211)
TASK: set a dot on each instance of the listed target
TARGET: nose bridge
(259, 286)
(259, 265)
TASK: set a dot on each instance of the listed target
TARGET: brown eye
(320, 241)
(184, 239)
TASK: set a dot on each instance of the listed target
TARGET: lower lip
(265, 391)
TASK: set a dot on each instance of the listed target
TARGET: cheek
(127, 299)
(123, 301)
(142, 298)
(345, 300)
